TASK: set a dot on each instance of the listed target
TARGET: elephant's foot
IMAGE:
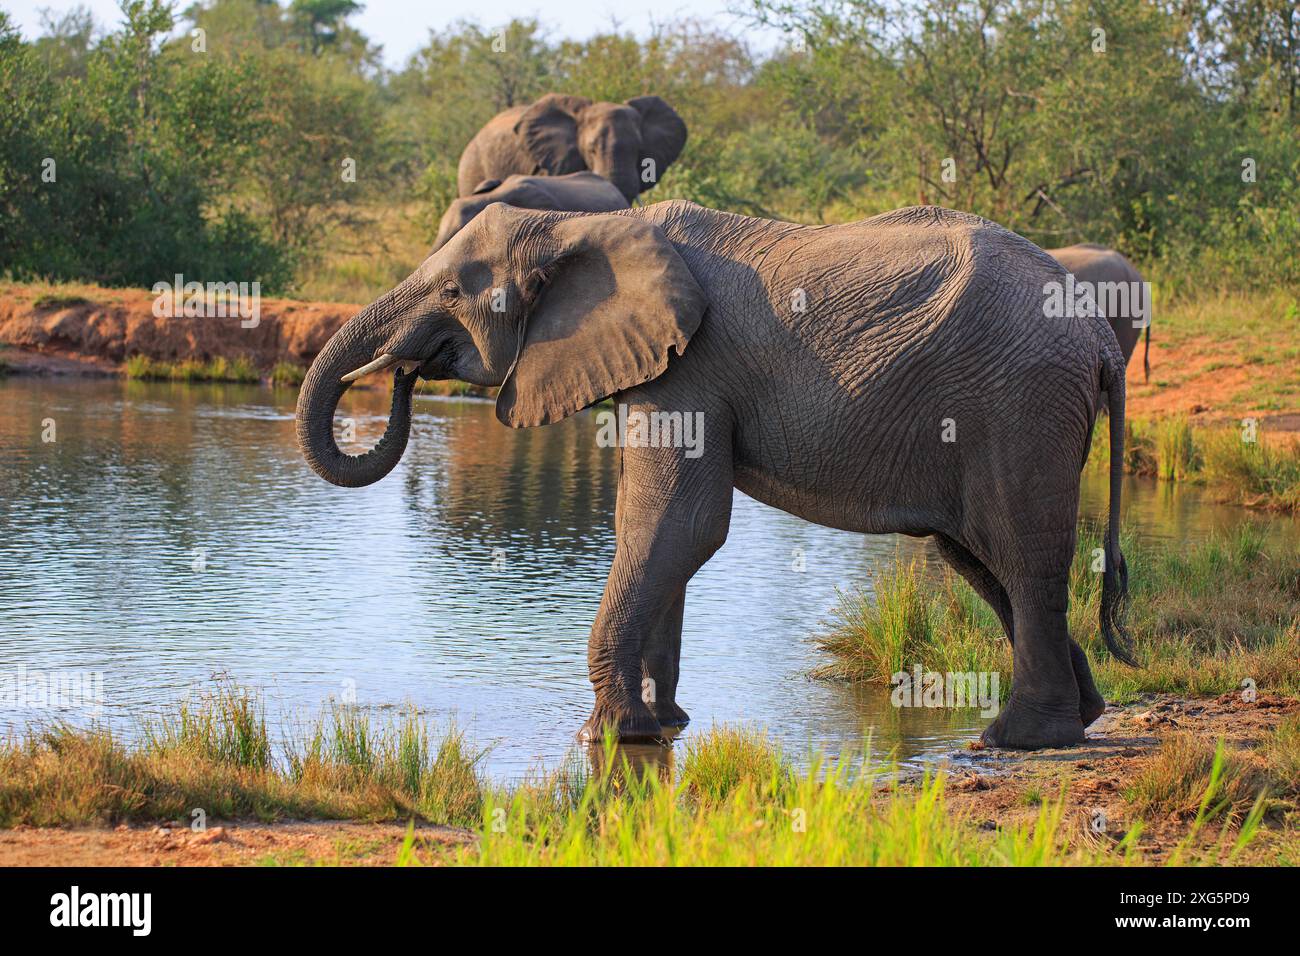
(1026, 726)
(1091, 706)
(632, 723)
(670, 715)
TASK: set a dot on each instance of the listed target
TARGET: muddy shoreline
(94, 333)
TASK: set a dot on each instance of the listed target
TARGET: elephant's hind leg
(1091, 703)
(1031, 527)
(1044, 707)
(978, 577)
(987, 586)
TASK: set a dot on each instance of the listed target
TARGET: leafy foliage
(217, 145)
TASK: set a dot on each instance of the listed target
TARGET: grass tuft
(287, 375)
(219, 369)
(225, 726)
(736, 803)
(910, 619)
(215, 755)
(1194, 777)
(54, 300)
(836, 815)
(724, 759)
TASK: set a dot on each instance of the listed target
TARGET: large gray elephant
(631, 144)
(1097, 264)
(892, 375)
(576, 192)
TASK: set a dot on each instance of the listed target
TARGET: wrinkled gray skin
(1093, 263)
(567, 134)
(576, 192)
(829, 363)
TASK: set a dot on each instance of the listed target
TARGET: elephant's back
(922, 272)
(957, 302)
(584, 191)
(1093, 263)
(492, 150)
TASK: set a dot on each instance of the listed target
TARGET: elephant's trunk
(350, 348)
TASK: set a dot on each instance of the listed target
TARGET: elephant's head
(631, 144)
(559, 309)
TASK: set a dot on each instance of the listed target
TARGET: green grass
(1238, 320)
(287, 375)
(827, 815)
(1176, 452)
(453, 388)
(54, 300)
(724, 760)
(1282, 751)
(1203, 620)
(1256, 473)
(224, 727)
(359, 269)
(219, 369)
(911, 620)
(215, 754)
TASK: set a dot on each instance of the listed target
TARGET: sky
(402, 26)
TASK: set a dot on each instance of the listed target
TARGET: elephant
(892, 375)
(631, 144)
(575, 192)
(1097, 264)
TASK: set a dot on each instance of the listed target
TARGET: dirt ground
(329, 843)
(1002, 788)
(993, 788)
(1204, 380)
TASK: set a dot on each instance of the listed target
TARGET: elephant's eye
(450, 292)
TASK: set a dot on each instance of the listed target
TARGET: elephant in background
(576, 192)
(630, 144)
(901, 374)
(1095, 264)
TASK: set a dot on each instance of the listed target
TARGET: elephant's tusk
(382, 362)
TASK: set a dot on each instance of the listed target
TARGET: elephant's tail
(1146, 352)
(1114, 580)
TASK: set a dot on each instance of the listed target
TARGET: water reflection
(171, 532)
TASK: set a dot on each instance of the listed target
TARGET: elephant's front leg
(660, 663)
(672, 515)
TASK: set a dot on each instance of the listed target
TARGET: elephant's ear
(486, 186)
(609, 302)
(663, 134)
(549, 133)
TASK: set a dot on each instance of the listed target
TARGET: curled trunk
(350, 348)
